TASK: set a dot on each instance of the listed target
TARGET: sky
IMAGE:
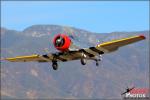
(94, 16)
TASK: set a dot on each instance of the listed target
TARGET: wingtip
(142, 36)
(2, 59)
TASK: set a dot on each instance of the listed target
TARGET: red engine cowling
(62, 42)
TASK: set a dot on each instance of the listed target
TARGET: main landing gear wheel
(83, 61)
(54, 65)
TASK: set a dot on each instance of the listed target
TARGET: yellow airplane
(64, 44)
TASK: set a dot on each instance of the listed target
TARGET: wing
(124, 93)
(38, 58)
(113, 45)
(105, 47)
(59, 56)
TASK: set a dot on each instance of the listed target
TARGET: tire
(83, 61)
(55, 66)
(97, 64)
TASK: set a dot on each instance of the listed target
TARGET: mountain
(126, 67)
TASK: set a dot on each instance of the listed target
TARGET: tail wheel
(55, 66)
(83, 61)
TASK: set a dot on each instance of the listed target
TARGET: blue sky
(94, 16)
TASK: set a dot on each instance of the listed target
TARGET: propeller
(59, 41)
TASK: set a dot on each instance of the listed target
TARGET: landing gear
(97, 62)
(83, 61)
(100, 58)
(54, 65)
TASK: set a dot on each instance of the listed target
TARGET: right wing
(38, 58)
(59, 56)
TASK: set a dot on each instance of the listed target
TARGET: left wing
(113, 45)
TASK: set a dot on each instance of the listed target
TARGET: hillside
(129, 66)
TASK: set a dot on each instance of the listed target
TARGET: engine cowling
(62, 42)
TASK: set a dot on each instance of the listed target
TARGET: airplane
(128, 90)
(68, 51)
